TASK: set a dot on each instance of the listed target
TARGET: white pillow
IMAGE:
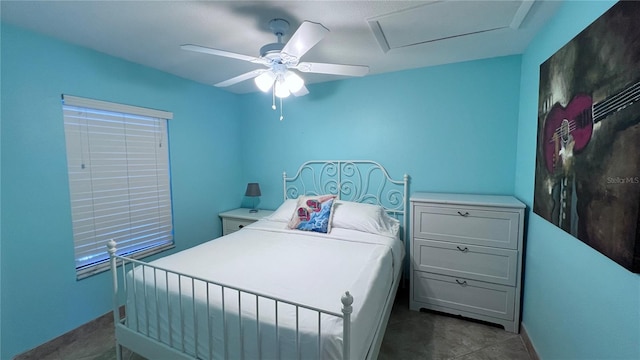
(284, 211)
(364, 217)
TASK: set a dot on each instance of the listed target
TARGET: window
(119, 180)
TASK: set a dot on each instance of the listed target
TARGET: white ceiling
(385, 35)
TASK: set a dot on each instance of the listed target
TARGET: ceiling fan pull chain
(281, 117)
(273, 100)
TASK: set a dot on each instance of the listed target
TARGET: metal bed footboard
(193, 310)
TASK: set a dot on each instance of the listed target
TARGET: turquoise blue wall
(578, 304)
(41, 298)
(450, 127)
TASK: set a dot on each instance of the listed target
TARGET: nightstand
(234, 220)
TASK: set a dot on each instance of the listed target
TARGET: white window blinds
(119, 180)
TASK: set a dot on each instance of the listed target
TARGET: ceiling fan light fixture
(279, 57)
(281, 89)
(265, 80)
(293, 81)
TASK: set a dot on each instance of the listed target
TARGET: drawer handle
(465, 249)
(240, 226)
(463, 283)
(466, 213)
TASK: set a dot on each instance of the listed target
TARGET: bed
(314, 280)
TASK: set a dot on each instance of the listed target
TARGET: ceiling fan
(281, 59)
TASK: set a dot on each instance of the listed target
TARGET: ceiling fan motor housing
(271, 51)
(280, 28)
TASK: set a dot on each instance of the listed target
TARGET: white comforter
(302, 267)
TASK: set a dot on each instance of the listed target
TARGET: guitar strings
(572, 126)
(631, 89)
(617, 102)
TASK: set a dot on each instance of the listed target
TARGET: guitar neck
(616, 102)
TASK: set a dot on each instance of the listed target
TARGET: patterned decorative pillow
(313, 213)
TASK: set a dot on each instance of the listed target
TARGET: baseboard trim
(527, 343)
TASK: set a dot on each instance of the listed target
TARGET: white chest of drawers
(466, 256)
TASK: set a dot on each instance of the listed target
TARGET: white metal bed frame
(351, 180)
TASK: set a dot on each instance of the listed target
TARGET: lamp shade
(253, 189)
(265, 80)
(281, 88)
(293, 81)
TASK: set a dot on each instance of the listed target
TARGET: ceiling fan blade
(306, 37)
(333, 69)
(302, 92)
(240, 78)
(211, 51)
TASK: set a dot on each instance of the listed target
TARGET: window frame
(132, 119)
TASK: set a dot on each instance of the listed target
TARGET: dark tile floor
(410, 335)
(435, 336)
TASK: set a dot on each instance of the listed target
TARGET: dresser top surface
(468, 199)
(245, 214)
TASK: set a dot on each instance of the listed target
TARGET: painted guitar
(573, 125)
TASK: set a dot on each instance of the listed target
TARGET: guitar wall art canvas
(587, 177)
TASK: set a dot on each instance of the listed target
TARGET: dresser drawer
(468, 261)
(466, 295)
(232, 225)
(467, 225)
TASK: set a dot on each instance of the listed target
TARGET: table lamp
(253, 191)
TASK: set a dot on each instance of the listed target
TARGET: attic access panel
(443, 20)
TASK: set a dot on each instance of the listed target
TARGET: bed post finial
(111, 247)
(347, 300)
(347, 309)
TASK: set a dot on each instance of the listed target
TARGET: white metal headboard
(363, 181)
